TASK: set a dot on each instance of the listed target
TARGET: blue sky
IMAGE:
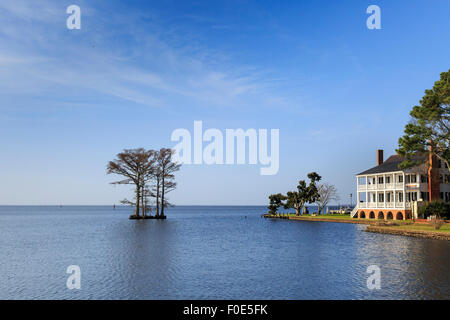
(137, 70)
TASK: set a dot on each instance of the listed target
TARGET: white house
(388, 192)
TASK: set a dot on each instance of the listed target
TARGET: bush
(435, 208)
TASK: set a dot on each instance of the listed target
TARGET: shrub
(435, 208)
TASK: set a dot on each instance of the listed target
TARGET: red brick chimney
(433, 178)
(379, 157)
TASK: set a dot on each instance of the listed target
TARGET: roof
(390, 165)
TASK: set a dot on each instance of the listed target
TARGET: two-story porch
(388, 192)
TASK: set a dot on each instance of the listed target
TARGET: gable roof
(390, 165)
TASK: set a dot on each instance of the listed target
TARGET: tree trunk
(142, 200)
(138, 189)
(162, 196)
(157, 196)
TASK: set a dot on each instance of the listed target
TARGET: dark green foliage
(304, 194)
(276, 201)
(435, 208)
(429, 126)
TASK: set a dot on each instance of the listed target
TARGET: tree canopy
(327, 192)
(428, 130)
(142, 168)
(296, 199)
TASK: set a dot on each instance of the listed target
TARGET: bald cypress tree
(166, 171)
(135, 165)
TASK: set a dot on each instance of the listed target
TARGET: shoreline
(434, 235)
(373, 227)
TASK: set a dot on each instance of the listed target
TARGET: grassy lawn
(322, 216)
(327, 216)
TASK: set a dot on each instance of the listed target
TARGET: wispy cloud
(141, 63)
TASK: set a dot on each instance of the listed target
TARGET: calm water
(208, 253)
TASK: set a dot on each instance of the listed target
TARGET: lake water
(209, 253)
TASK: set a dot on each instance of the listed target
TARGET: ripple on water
(209, 253)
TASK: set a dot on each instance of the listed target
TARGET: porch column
(395, 200)
(404, 191)
(357, 191)
(376, 197)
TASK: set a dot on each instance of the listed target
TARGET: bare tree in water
(152, 174)
(135, 165)
(166, 178)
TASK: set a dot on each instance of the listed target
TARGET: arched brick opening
(399, 216)
(362, 215)
(372, 215)
(390, 216)
(380, 215)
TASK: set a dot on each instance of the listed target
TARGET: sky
(70, 100)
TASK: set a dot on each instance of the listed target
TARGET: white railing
(388, 186)
(381, 205)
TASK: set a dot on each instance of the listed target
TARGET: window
(411, 178)
(388, 197)
(388, 179)
(380, 180)
(442, 196)
(381, 197)
(400, 196)
(400, 179)
(411, 196)
(423, 178)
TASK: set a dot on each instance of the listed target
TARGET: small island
(152, 174)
